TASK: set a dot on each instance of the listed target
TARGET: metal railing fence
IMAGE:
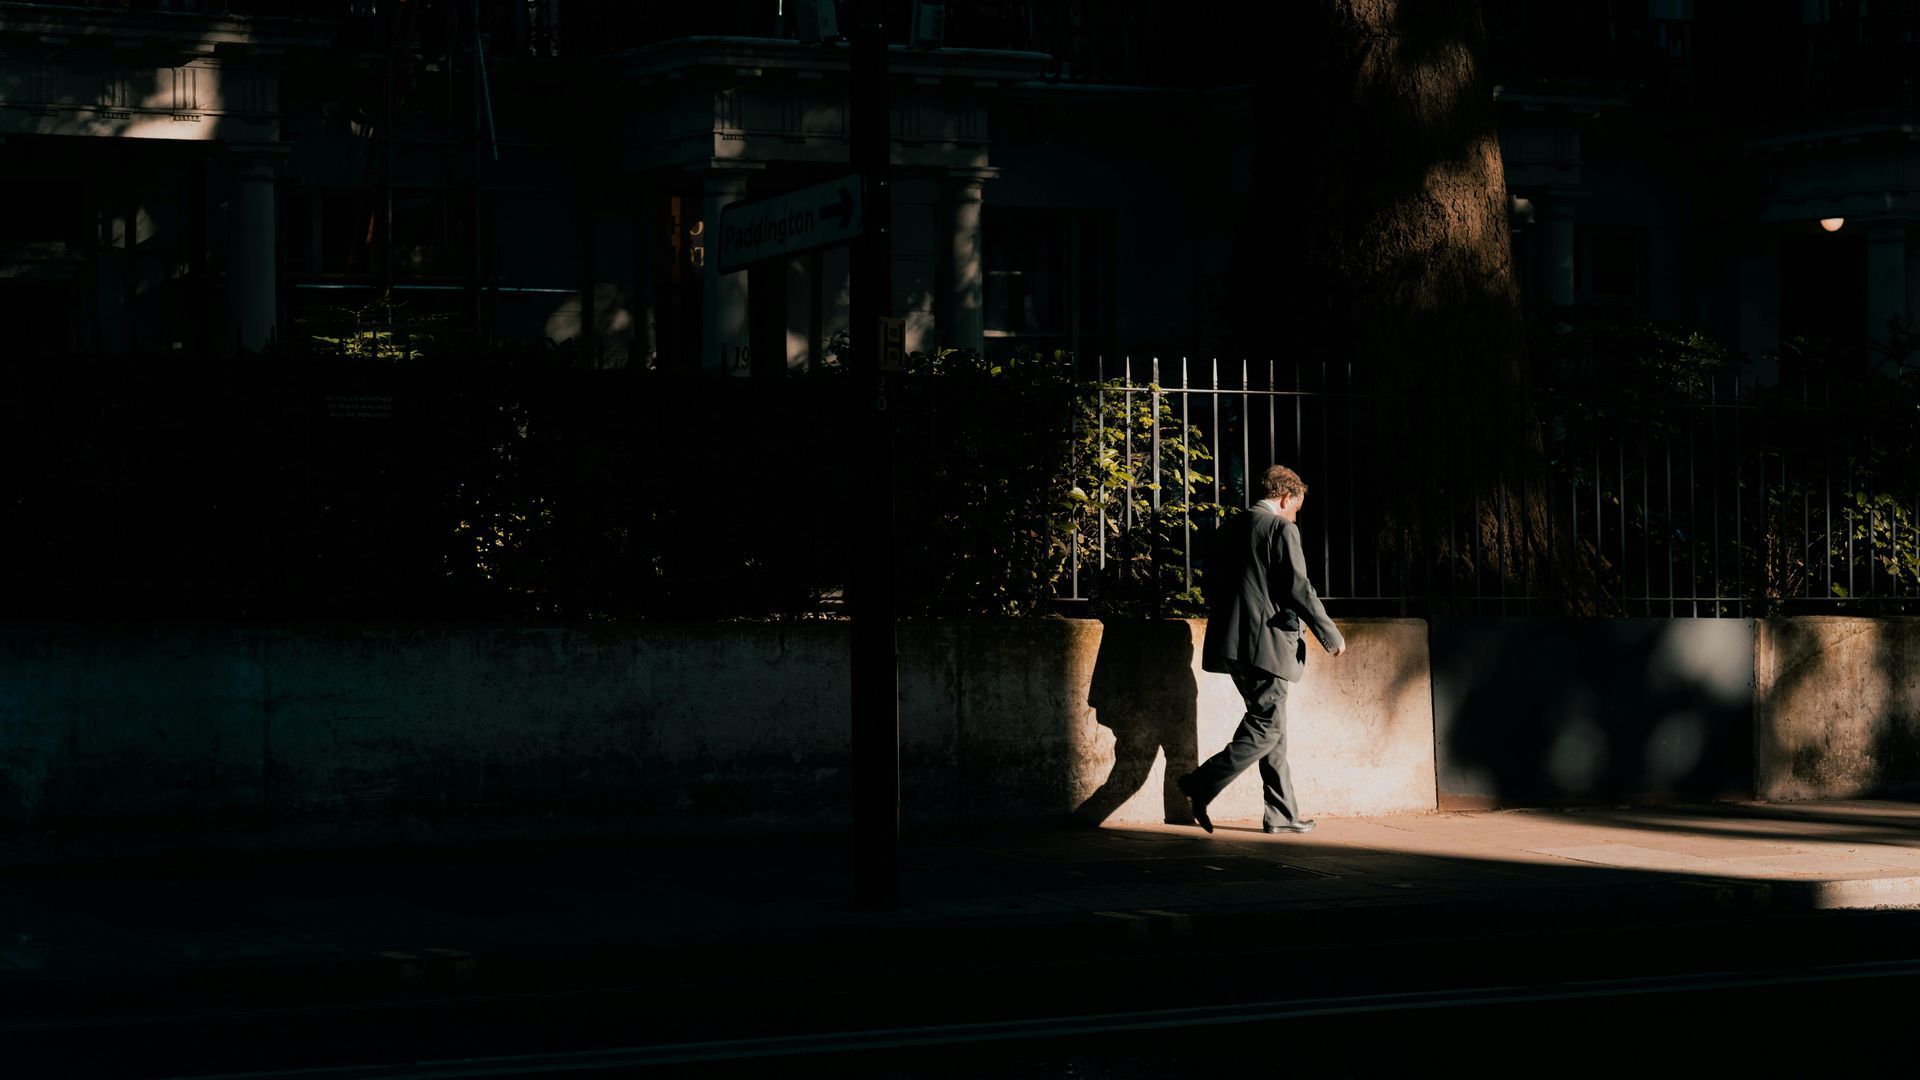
(1718, 500)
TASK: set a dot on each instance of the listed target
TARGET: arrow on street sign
(843, 206)
(812, 217)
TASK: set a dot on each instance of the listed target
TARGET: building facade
(1747, 169)
(222, 175)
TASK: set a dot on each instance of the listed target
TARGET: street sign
(813, 217)
(893, 344)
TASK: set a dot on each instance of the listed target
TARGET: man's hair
(1280, 482)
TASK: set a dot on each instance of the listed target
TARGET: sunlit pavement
(669, 919)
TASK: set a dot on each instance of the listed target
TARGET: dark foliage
(513, 484)
(508, 485)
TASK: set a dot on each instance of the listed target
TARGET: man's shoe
(1303, 825)
(1199, 808)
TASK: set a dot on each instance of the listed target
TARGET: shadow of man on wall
(1143, 689)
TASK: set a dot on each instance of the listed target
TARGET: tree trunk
(1404, 269)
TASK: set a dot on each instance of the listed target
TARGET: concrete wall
(1538, 711)
(668, 725)
(1361, 724)
(1532, 711)
(423, 724)
(374, 729)
(1837, 708)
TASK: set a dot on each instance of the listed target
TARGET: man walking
(1257, 578)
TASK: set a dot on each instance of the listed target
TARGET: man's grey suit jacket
(1260, 598)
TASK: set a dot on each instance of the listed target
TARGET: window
(1027, 273)
(343, 228)
(431, 233)
(1047, 279)
(338, 231)
(1610, 260)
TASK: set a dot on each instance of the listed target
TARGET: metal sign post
(892, 343)
(873, 648)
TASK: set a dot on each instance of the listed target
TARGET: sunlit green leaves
(1029, 472)
(383, 329)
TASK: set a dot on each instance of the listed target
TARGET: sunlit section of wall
(201, 100)
(1837, 708)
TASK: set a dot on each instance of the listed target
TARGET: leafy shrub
(1015, 471)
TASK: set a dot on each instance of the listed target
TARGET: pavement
(215, 929)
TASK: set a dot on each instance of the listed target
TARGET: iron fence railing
(1721, 499)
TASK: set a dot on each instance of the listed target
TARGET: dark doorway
(1823, 293)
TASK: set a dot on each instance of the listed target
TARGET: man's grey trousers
(1262, 737)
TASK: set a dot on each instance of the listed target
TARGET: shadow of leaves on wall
(1558, 711)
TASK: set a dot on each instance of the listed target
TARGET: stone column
(724, 341)
(1557, 269)
(1886, 278)
(253, 263)
(966, 320)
